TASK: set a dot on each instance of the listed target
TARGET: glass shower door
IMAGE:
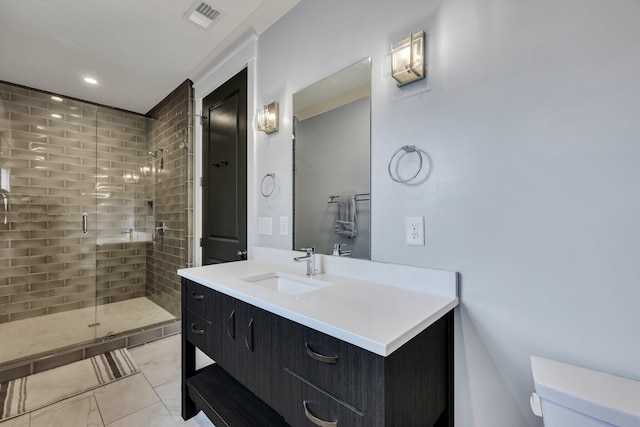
(123, 207)
(47, 223)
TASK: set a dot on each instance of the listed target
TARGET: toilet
(571, 396)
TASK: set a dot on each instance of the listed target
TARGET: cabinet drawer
(198, 332)
(333, 365)
(309, 406)
(198, 300)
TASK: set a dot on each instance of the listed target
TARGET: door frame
(244, 55)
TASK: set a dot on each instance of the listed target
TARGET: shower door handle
(6, 207)
(84, 223)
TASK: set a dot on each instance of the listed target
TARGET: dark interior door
(224, 216)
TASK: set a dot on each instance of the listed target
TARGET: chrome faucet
(310, 258)
(161, 229)
(337, 250)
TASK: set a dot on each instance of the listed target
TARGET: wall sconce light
(268, 118)
(407, 59)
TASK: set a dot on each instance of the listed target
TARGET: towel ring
(407, 149)
(273, 184)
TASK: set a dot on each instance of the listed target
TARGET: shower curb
(53, 359)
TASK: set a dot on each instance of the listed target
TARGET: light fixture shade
(268, 118)
(407, 59)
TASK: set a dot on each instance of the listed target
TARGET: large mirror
(332, 166)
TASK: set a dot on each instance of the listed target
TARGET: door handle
(6, 207)
(85, 223)
(248, 336)
(242, 254)
(317, 421)
(320, 357)
(196, 330)
(231, 325)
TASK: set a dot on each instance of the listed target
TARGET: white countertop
(377, 317)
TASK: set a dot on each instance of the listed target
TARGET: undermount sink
(286, 283)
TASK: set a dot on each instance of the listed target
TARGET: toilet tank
(572, 396)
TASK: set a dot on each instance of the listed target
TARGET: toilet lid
(607, 397)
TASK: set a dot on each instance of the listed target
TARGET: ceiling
(137, 50)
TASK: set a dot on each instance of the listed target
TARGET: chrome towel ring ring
(273, 185)
(405, 149)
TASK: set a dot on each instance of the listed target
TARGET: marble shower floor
(37, 335)
(149, 398)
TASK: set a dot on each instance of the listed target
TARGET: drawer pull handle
(197, 297)
(248, 336)
(231, 325)
(196, 330)
(317, 421)
(320, 357)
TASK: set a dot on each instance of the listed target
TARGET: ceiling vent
(202, 14)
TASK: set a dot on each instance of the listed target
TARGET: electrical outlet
(265, 225)
(414, 230)
(284, 225)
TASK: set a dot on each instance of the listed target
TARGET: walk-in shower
(80, 200)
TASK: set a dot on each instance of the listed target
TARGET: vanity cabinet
(272, 371)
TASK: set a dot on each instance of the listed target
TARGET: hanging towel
(346, 222)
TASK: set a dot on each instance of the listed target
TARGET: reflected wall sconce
(268, 118)
(407, 59)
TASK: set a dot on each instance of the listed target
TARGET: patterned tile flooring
(148, 399)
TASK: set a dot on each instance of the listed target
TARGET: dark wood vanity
(271, 371)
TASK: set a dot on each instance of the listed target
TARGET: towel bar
(359, 198)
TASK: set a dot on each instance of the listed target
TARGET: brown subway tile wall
(59, 160)
(45, 176)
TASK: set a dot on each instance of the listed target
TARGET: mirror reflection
(332, 138)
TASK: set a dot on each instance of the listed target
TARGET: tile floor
(150, 398)
(53, 331)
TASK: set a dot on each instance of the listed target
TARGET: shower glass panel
(81, 259)
(124, 187)
(47, 222)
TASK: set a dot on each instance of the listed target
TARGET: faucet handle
(310, 250)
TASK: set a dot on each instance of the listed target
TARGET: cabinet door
(256, 348)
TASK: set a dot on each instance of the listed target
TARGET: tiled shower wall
(122, 189)
(170, 130)
(47, 169)
(60, 159)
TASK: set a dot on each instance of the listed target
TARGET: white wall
(529, 116)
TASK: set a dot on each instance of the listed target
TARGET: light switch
(265, 225)
(284, 225)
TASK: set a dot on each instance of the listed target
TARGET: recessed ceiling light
(57, 98)
(56, 116)
(91, 80)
